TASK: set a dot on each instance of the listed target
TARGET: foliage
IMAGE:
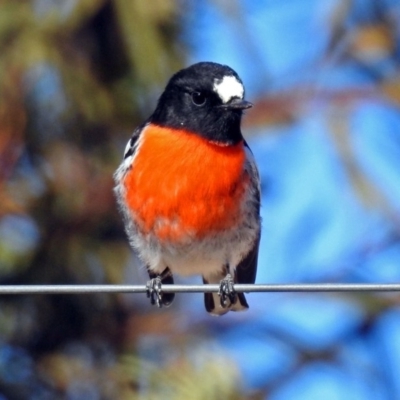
(75, 78)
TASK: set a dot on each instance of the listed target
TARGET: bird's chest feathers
(180, 185)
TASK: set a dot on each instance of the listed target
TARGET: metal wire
(86, 289)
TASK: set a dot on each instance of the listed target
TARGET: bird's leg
(226, 292)
(154, 288)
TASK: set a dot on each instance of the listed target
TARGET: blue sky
(316, 226)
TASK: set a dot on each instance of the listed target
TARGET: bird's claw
(154, 291)
(227, 292)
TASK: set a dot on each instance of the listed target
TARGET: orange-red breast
(189, 189)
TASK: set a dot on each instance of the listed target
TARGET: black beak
(237, 104)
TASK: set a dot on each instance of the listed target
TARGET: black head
(206, 98)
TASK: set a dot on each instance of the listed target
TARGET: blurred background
(76, 77)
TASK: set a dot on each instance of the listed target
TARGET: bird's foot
(226, 292)
(154, 288)
(154, 291)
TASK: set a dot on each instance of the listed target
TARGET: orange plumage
(181, 184)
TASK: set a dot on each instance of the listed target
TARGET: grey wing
(252, 166)
(246, 270)
(126, 165)
(132, 142)
(119, 176)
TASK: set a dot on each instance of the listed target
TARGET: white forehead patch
(228, 87)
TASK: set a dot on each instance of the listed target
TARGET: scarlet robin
(189, 189)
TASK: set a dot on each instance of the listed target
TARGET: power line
(86, 289)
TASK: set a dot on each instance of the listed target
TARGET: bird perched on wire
(189, 189)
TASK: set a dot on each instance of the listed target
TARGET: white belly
(204, 257)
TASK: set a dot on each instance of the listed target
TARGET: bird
(188, 188)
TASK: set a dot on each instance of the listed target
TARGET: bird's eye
(198, 99)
